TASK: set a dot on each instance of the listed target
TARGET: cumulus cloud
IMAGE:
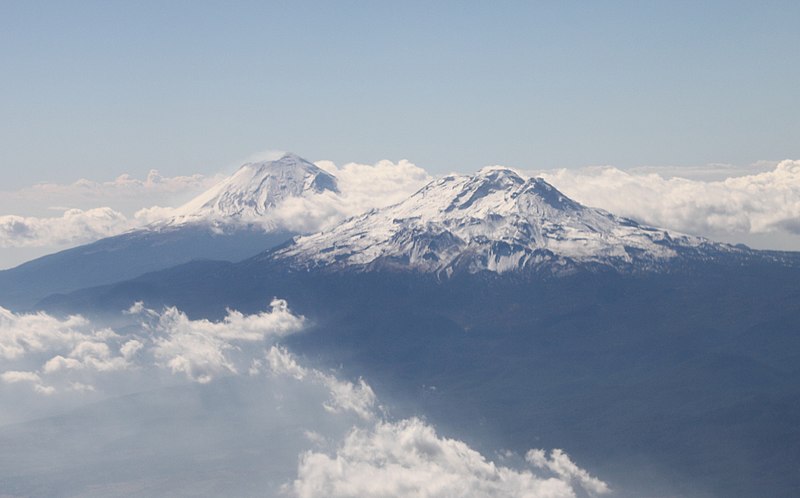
(74, 226)
(362, 187)
(90, 210)
(199, 348)
(382, 184)
(382, 457)
(16, 376)
(58, 350)
(409, 459)
(23, 335)
(765, 202)
(320, 434)
(87, 355)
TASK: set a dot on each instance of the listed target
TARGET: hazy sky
(97, 89)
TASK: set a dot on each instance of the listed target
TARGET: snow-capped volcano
(255, 189)
(494, 220)
(234, 220)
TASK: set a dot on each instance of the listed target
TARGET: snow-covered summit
(494, 220)
(255, 189)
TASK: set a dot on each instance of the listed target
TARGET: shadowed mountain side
(685, 379)
(126, 256)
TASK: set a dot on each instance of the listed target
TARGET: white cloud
(14, 376)
(23, 334)
(560, 464)
(130, 348)
(367, 186)
(90, 210)
(358, 398)
(59, 349)
(764, 202)
(362, 187)
(409, 459)
(717, 201)
(74, 226)
(199, 348)
(281, 362)
(337, 440)
(130, 203)
(89, 355)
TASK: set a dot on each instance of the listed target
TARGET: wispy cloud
(126, 186)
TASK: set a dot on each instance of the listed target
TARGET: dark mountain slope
(685, 378)
(127, 256)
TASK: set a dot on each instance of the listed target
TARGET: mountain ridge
(494, 220)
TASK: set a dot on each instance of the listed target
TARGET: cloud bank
(51, 354)
(250, 412)
(408, 458)
(362, 186)
(765, 202)
(74, 226)
(89, 210)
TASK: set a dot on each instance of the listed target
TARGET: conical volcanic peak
(256, 188)
(495, 220)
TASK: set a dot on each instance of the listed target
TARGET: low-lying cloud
(383, 457)
(130, 203)
(62, 215)
(362, 186)
(74, 226)
(765, 202)
(51, 353)
(407, 458)
(238, 410)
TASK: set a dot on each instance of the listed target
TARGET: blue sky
(96, 89)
